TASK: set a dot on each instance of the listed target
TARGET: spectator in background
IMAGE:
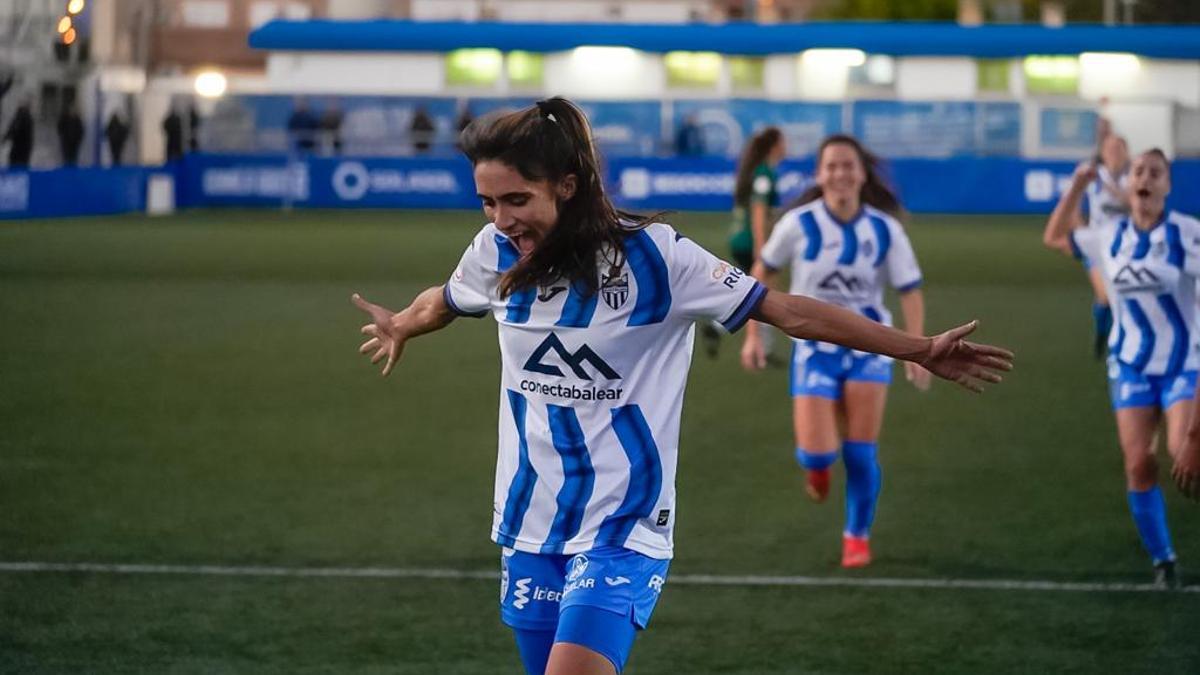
(193, 128)
(422, 130)
(688, 140)
(117, 133)
(464, 120)
(20, 138)
(331, 125)
(302, 127)
(70, 134)
(172, 127)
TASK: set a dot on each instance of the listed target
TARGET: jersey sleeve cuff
(910, 286)
(745, 308)
(459, 310)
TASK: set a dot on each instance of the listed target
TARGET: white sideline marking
(675, 579)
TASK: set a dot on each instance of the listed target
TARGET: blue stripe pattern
(520, 304)
(653, 283)
(812, 235)
(1143, 245)
(645, 475)
(873, 314)
(849, 245)
(1181, 338)
(1146, 348)
(578, 477)
(1174, 246)
(749, 303)
(1116, 244)
(579, 307)
(883, 239)
(520, 491)
(1120, 343)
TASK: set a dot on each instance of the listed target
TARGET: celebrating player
(1150, 263)
(842, 244)
(596, 312)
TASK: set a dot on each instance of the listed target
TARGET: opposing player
(1150, 262)
(1105, 203)
(596, 312)
(842, 244)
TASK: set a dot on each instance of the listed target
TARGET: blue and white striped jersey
(592, 388)
(844, 264)
(1104, 204)
(1151, 277)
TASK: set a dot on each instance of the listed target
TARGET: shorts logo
(521, 596)
(614, 287)
(617, 581)
(656, 583)
(664, 517)
(579, 565)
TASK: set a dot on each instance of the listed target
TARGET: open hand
(967, 364)
(385, 340)
(754, 356)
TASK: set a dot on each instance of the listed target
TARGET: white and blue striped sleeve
(903, 272)
(469, 290)
(704, 287)
(780, 247)
(1087, 243)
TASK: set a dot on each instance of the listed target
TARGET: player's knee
(1141, 470)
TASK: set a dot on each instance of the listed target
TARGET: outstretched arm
(1065, 216)
(388, 330)
(947, 355)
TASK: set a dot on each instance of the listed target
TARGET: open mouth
(523, 242)
(1143, 193)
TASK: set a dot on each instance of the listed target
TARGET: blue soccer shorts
(1131, 389)
(817, 372)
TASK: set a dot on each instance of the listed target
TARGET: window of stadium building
(693, 70)
(992, 75)
(473, 67)
(1052, 75)
(746, 73)
(524, 69)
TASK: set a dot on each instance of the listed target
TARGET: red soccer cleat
(816, 484)
(856, 551)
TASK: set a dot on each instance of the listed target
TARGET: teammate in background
(1150, 261)
(596, 310)
(843, 243)
(754, 198)
(1105, 203)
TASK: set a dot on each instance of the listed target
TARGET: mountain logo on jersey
(1135, 278)
(614, 287)
(573, 361)
(842, 283)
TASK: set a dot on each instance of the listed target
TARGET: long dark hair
(753, 155)
(875, 191)
(548, 142)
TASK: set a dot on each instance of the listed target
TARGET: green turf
(187, 390)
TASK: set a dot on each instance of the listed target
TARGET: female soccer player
(1105, 204)
(595, 312)
(843, 243)
(1150, 263)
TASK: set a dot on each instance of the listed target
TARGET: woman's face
(1114, 152)
(840, 173)
(525, 211)
(1149, 183)
(778, 152)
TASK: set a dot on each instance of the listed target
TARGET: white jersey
(1104, 202)
(1151, 278)
(592, 386)
(845, 264)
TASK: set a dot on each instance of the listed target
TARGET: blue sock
(863, 480)
(1150, 514)
(534, 646)
(815, 461)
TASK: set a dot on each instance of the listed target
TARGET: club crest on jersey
(867, 249)
(614, 287)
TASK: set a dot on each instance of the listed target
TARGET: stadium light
(834, 58)
(1110, 63)
(211, 84)
(75, 6)
(1050, 67)
(69, 36)
(64, 25)
(604, 68)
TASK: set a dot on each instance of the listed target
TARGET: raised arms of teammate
(1065, 216)
(388, 330)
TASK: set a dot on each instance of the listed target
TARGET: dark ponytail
(875, 191)
(548, 142)
(756, 152)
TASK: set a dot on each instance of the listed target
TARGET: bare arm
(1065, 216)
(912, 307)
(388, 330)
(758, 226)
(946, 355)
